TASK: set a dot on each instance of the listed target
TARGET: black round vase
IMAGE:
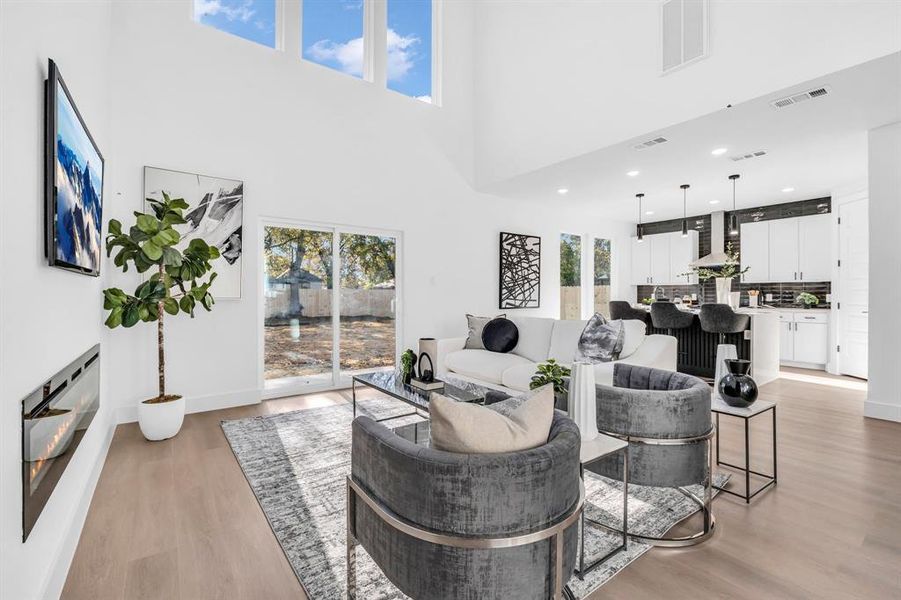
(736, 387)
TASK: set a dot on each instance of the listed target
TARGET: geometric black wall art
(520, 271)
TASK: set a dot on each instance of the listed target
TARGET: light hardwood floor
(177, 520)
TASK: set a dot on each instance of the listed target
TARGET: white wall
(314, 145)
(558, 79)
(884, 397)
(48, 317)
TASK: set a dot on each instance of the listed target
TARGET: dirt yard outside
(366, 343)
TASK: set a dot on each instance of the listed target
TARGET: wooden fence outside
(571, 301)
(318, 303)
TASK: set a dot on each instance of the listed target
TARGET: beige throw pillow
(473, 429)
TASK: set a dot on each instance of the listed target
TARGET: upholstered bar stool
(721, 319)
(620, 309)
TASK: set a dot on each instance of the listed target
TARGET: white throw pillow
(473, 429)
(635, 334)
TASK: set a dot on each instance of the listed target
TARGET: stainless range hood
(717, 256)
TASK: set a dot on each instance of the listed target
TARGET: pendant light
(684, 187)
(733, 218)
(640, 235)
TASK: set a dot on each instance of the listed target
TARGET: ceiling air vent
(652, 142)
(755, 154)
(801, 97)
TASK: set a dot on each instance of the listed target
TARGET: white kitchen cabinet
(786, 341)
(641, 261)
(804, 337)
(784, 249)
(814, 243)
(683, 252)
(660, 258)
(811, 342)
(755, 251)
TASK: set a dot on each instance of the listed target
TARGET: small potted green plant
(176, 285)
(551, 372)
(407, 363)
(807, 299)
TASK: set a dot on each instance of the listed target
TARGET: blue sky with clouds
(333, 35)
(69, 128)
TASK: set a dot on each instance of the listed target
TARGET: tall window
(410, 48)
(252, 20)
(602, 276)
(570, 276)
(333, 34)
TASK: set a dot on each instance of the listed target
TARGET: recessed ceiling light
(563, 191)
(719, 151)
(714, 202)
(650, 212)
(788, 190)
(632, 173)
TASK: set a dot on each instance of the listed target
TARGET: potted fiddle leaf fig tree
(176, 284)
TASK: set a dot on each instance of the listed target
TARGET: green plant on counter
(728, 270)
(407, 360)
(807, 299)
(550, 372)
(648, 301)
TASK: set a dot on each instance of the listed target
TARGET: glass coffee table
(391, 384)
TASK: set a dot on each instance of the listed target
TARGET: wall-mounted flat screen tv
(73, 192)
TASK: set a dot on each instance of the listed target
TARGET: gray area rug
(297, 463)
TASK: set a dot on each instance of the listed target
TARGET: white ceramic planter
(161, 421)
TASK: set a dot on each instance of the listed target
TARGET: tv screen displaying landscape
(75, 205)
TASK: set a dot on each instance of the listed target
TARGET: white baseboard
(196, 404)
(881, 410)
(59, 570)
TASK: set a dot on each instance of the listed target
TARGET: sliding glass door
(317, 338)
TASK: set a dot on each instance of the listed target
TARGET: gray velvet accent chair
(445, 526)
(665, 417)
(620, 309)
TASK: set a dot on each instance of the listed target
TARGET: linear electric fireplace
(54, 420)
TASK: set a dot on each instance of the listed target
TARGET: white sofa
(541, 339)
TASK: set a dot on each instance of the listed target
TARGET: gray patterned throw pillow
(476, 325)
(601, 340)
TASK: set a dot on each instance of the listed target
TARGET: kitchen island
(759, 343)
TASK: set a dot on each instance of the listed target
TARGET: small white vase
(161, 421)
(723, 288)
(583, 408)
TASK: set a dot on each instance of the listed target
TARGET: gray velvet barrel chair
(665, 417)
(620, 309)
(442, 525)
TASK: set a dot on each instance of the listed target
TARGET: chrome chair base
(704, 505)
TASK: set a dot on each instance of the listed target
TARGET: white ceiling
(815, 147)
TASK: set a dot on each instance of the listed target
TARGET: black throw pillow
(500, 335)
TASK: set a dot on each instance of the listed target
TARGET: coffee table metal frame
(584, 570)
(747, 470)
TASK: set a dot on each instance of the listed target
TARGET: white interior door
(853, 236)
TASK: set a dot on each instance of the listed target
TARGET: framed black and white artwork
(520, 271)
(215, 215)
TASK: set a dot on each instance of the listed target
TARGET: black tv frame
(50, 191)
